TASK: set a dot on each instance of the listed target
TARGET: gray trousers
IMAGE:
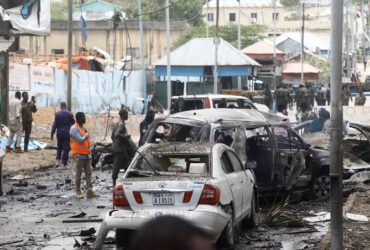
(15, 128)
(85, 166)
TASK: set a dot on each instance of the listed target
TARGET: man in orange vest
(80, 149)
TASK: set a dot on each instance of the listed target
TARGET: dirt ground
(32, 215)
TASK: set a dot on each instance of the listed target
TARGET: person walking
(80, 149)
(267, 96)
(360, 99)
(63, 122)
(15, 123)
(346, 96)
(122, 146)
(144, 125)
(27, 109)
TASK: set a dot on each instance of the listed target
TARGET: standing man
(360, 99)
(123, 147)
(27, 109)
(15, 123)
(63, 122)
(346, 96)
(144, 125)
(80, 145)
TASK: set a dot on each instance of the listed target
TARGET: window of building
(210, 17)
(275, 16)
(133, 52)
(232, 17)
(253, 17)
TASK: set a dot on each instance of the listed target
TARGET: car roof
(197, 148)
(211, 96)
(221, 115)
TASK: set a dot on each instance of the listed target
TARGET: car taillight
(187, 196)
(207, 103)
(210, 195)
(137, 196)
(119, 197)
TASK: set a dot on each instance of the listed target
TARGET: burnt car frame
(281, 157)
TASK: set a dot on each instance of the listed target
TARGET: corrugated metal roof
(201, 52)
(295, 67)
(261, 48)
(97, 5)
(243, 4)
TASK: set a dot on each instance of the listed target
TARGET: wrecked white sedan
(203, 183)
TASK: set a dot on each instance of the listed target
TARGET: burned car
(356, 145)
(203, 183)
(282, 159)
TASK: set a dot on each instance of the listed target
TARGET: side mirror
(250, 165)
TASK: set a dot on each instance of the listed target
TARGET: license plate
(163, 199)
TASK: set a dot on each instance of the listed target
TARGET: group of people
(73, 136)
(20, 121)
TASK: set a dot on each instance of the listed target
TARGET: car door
(259, 148)
(246, 183)
(234, 183)
(291, 156)
(356, 143)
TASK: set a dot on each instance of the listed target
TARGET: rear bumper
(211, 219)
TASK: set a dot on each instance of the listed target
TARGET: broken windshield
(173, 132)
(174, 164)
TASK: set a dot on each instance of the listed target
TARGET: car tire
(123, 238)
(227, 236)
(321, 186)
(250, 222)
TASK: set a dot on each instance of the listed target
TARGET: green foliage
(59, 10)
(249, 34)
(289, 3)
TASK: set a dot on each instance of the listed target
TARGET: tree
(249, 34)
(190, 10)
(289, 3)
(59, 10)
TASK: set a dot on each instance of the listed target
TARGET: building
(95, 10)
(291, 73)
(101, 35)
(254, 12)
(263, 53)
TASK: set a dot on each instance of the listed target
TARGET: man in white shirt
(15, 123)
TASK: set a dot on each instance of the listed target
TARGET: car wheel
(321, 186)
(251, 220)
(123, 238)
(227, 236)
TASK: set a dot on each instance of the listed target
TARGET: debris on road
(87, 232)
(80, 215)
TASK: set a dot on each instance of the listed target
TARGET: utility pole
(274, 55)
(69, 73)
(143, 80)
(168, 48)
(348, 37)
(363, 35)
(207, 25)
(336, 131)
(302, 45)
(239, 45)
(216, 41)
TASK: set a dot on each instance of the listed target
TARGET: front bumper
(212, 219)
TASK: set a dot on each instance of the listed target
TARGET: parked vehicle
(204, 183)
(283, 160)
(210, 101)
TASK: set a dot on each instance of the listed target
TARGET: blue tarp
(180, 71)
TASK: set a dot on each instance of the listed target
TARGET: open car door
(291, 156)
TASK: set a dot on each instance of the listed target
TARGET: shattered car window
(176, 133)
(355, 134)
(173, 163)
(225, 136)
(256, 138)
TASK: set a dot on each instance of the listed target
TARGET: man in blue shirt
(63, 122)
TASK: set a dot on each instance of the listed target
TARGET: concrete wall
(101, 35)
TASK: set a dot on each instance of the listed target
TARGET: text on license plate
(163, 199)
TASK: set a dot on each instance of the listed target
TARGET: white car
(203, 183)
